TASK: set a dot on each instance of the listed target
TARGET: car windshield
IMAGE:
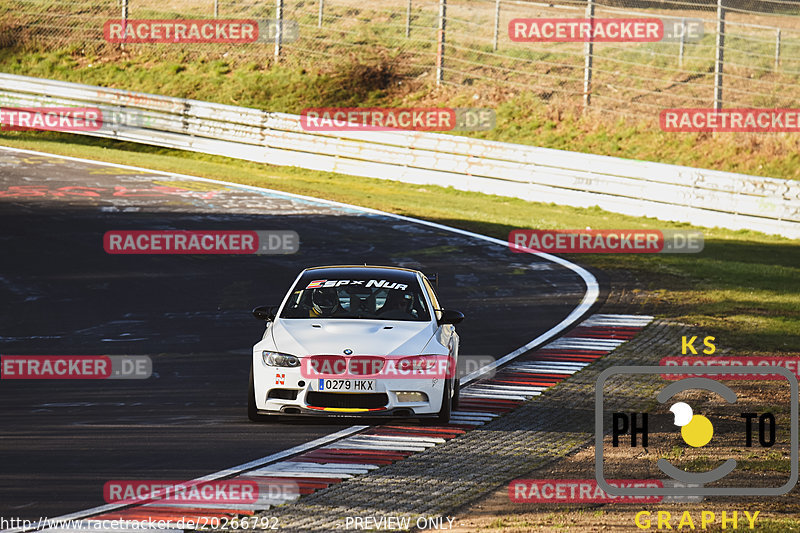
(368, 298)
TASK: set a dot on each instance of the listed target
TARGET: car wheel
(456, 393)
(443, 417)
(252, 411)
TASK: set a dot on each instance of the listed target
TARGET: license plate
(346, 385)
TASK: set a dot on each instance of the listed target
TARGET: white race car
(356, 341)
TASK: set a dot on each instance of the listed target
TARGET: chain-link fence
(748, 54)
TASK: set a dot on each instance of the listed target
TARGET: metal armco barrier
(668, 192)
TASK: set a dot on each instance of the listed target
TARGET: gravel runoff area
(429, 486)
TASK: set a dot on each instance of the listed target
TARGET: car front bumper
(281, 390)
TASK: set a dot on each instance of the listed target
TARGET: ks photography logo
(696, 426)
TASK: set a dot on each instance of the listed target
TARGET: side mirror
(450, 316)
(265, 312)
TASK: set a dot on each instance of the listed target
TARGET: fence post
(496, 22)
(124, 22)
(408, 18)
(777, 48)
(278, 29)
(588, 53)
(719, 64)
(683, 42)
(440, 42)
(216, 8)
(321, 11)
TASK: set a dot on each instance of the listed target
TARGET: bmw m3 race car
(356, 341)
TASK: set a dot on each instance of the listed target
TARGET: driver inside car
(396, 306)
(324, 303)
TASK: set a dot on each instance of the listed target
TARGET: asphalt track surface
(62, 294)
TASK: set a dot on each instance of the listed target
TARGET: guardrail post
(683, 42)
(440, 42)
(496, 23)
(216, 8)
(720, 62)
(408, 18)
(321, 12)
(777, 48)
(588, 53)
(278, 29)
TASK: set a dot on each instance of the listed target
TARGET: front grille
(282, 394)
(364, 365)
(347, 400)
(326, 364)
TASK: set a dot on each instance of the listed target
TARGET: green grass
(770, 462)
(377, 79)
(778, 525)
(744, 288)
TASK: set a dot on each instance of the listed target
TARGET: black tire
(252, 411)
(443, 417)
(456, 393)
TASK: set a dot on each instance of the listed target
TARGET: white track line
(475, 414)
(588, 300)
(547, 365)
(499, 390)
(382, 447)
(308, 469)
(325, 475)
(302, 466)
(488, 396)
(466, 422)
(540, 370)
(228, 472)
(230, 506)
(617, 320)
(511, 388)
(577, 343)
(551, 364)
(396, 439)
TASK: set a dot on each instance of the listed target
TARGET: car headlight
(417, 363)
(279, 359)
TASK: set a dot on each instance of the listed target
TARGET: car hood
(365, 337)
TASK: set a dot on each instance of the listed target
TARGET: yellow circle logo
(698, 431)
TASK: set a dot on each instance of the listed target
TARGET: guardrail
(639, 188)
